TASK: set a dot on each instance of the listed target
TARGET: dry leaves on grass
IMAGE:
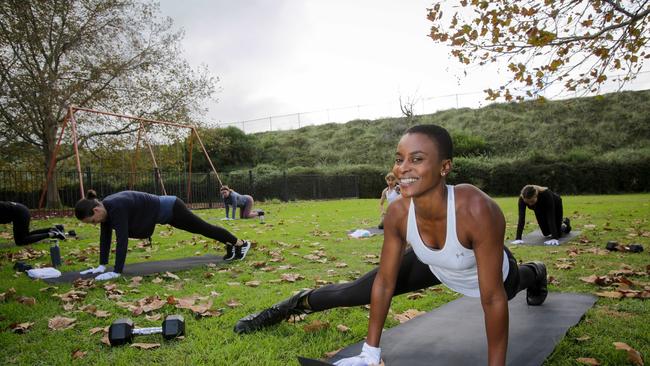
(61, 323)
(633, 355)
(340, 265)
(291, 277)
(253, 283)
(145, 345)
(92, 310)
(71, 296)
(45, 289)
(26, 300)
(171, 276)
(315, 326)
(81, 284)
(407, 315)
(136, 281)
(588, 361)
(342, 328)
(7, 294)
(233, 303)
(20, 328)
(415, 296)
(203, 310)
(157, 280)
(97, 330)
(77, 354)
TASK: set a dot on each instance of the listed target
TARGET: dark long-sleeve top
(544, 210)
(9, 211)
(132, 215)
(235, 200)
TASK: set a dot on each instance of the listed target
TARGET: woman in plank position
(18, 214)
(547, 206)
(135, 215)
(456, 235)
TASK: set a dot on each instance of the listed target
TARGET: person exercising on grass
(456, 234)
(135, 215)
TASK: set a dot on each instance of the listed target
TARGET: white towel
(47, 272)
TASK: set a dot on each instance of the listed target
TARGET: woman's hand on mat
(369, 356)
(107, 276)
(518, 241)
(552, 242)
(99, 269)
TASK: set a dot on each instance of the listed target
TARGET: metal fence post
(208, 190)
(89, 178)
(154, 178)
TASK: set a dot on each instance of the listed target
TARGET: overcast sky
(276, 57)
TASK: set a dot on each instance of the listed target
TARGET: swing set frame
(70, 120)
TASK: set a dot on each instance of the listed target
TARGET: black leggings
(413, 275)
(184, 219)
(22, 235)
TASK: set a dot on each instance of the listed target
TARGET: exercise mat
(536, 238)
(454, 334)
(147, 268)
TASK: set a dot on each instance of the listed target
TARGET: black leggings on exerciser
(184, 219)
(413, 275)
(22, 235)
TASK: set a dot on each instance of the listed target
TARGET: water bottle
(261, 216)
(55, 252)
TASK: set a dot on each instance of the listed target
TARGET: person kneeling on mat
(456, 235)
(547, 206)
(18, 215)
(135, 215)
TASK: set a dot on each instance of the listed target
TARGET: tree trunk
(52, 198)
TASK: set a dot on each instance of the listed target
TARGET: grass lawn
(293, 231)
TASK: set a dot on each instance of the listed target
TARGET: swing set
(70, 120)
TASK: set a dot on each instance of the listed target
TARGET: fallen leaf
(610, 294)
(291, 277)
(105, 340)
(315, 326)
(145, 345)
(583, 338)
(633, 355)
(171, 275)
(415, 296)
(341, 265)
(8, 294)
(254, 283)
(342, 328)
(48, 288)
(233, 303)
(408, 315)
(60, 323)
(20, 328)
(157, 280)
(96, 330)
(332, 353)
(588, 361)
(26, 300)
(153, 317)
(77, 354)
(135, 281)
(296, 318)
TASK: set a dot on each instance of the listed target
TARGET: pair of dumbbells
(122, 331)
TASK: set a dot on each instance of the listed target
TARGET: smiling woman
(456, 236)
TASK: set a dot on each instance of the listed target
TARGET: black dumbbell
(122, 330)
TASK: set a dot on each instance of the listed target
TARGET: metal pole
(50, 169)
(73, 124)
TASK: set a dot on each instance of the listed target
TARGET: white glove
(518, 241)
(552, 242)
(369, 356)
(98, 269)
(107, 276)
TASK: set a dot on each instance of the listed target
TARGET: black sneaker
(55, 233)
(567, 225)
(273, 315)
(230, 252)
(536, 294)
(241, 250)
(60, 228)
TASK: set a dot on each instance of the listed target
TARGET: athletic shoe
(55, 233)
(240, 251)
(273, 315)
(60, 228)
(536, 294)
(230, 253)
(567, 225)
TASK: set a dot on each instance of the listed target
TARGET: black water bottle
(55, 252)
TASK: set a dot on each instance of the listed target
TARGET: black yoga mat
(454, 334)
(147, 268)
(536, 238)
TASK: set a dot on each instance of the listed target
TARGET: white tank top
(454, 265)
(391, 195)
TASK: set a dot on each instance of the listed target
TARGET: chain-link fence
(199, 190)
